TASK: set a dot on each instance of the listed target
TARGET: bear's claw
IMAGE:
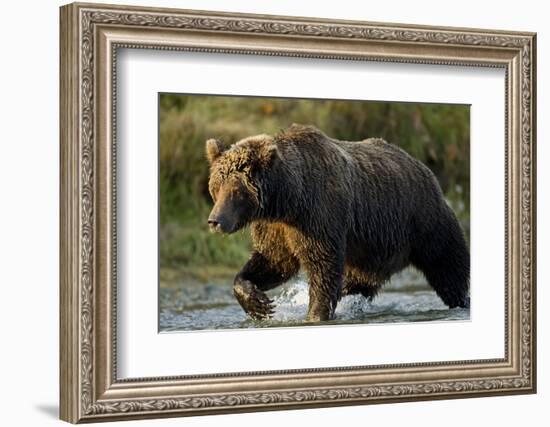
(254, 301)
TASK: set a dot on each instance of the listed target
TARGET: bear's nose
(213, 222)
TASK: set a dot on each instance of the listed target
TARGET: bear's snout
(220, 222)
(232, 210)
(216, 224)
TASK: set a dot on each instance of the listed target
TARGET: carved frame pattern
(80, 400)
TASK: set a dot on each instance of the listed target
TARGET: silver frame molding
(90, 37)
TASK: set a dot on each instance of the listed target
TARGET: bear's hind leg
(445, 261)
(258, 275)
(449, 285)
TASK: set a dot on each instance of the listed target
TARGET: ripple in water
(200, 307)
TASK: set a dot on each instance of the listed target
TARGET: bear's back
(366, 158)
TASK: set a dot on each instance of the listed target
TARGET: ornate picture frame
(90, 37)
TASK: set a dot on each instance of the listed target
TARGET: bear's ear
(214, 147)
(269, 154)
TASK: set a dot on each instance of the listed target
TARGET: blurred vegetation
(437, 134)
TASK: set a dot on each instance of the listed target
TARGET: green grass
(438, 135)
(191, 250)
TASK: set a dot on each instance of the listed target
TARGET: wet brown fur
(351, 214)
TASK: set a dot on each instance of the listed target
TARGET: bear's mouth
(222, 228)
(217, 228)
(214, 228)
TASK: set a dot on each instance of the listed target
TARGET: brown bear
(351, 214)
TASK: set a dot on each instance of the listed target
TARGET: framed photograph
(266, 212)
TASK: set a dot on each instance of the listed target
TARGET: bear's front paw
(253, 300)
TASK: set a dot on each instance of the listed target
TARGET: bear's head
(237, 180)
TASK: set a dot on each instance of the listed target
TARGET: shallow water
(213, 306)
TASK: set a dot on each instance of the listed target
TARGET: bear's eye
(242, 167)
(213, 190)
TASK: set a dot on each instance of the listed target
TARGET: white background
(143, 352)
(29, 176)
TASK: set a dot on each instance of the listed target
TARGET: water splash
(200, 307)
